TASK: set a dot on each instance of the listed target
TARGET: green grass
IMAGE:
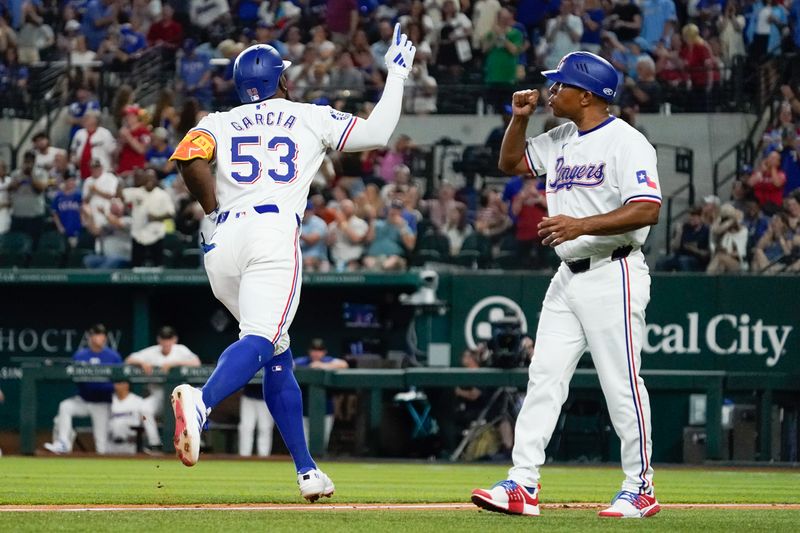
(164, 481)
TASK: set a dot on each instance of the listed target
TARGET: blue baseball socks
(236, 366)
(285, 402)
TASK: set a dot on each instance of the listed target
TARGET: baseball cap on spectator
(96, 163)
(317, 344)
(711, 199)
(161, 133)
(72, 25)
(397, 204)
(167, 332)
(98, 329)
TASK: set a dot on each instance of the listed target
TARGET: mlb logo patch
(277, 368)
(340, 115)
(253, 93)
(642, 177)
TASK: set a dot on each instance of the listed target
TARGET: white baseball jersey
(126, 414)
(267, 152)
(592, 173)
(266, 156)
(179, 355)
(600, 307)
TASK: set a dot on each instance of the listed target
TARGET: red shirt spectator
(769, 180)
(698, 59)
(134, 138)
(530, 207)
(342, 16)
(166, 31)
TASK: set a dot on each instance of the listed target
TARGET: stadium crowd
(108, 196)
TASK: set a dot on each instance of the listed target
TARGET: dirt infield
(362, 507)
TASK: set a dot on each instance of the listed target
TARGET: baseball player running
(602, 196)
(267, 151)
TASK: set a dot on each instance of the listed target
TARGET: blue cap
(587, 71)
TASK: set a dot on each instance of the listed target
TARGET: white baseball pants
(255, 420)
(152, 407)
(602, 309)
(99, 412)
(328, 428)
(255, 270)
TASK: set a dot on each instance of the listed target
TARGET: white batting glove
(400, 56)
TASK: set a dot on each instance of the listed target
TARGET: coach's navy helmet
(587, 71)
(256, 73)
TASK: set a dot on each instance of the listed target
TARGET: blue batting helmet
(256, 73)
(587, 71)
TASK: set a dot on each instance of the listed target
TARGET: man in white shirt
(346, 237)
(166, 354)
(98, 190)
(127, 413)
(45, 154)
(92, 142)
(150, 207)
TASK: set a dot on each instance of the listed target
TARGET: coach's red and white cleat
(508, 497)
(314, 485)
(190, 416)
(627, 504)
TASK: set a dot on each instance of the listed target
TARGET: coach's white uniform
(255, 420)
(266, 156)
(603, 308)
(126, 414)
(179, 355)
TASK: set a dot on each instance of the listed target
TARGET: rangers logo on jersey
(586, 175)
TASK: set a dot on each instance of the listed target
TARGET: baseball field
(143, 495)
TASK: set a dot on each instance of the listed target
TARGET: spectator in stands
(492, 220)
(91, 142)
(502, 46)
(728, 242)
(93, 398)
(194, 73)
(158, 154)
(27, 188)
(419, 97)
(710, 209)
(14, 83)
(151, 206)
(644, 92)
(134, 140)
(294, 44)
(625, 20)
(346, 80)
(730, 25)
(755, 221)
(794, 23)
(98, 17)
(319, 41)
(438, 209)
(83, 60)
(593, 16)
(380, 46)
(166, 354)
(346, 237)
(399, 155)
(701, 67)
(166, 31)
(763, 30)
(390, 240)
(112, 238)
(61, 169)
(209, 18)
(98, 190)
(454, 32)
(84, 102)
(318, 358)
(342, 20)
(5, 198)
(529, 208)
(768, 182)
(127, 416)
(495, 138)
(669, 62)
(774, 251)
(313, 237)
(659, 20)
(66, 209)
(34, 37)
(691, 246)
(7, 34)
(563, 35)
(266, 33)
(457, 228)
(45, 154)
(255, 422)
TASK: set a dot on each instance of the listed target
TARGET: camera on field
(506, 348)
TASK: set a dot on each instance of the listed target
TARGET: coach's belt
(582, 265)
(260, 209)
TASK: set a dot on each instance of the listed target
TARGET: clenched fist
(523, 103)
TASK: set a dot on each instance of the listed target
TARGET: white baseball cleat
(627, 504)
(508, 497)
(190, 416)
(57, 447)
(315, 484)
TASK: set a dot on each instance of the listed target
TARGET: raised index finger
(397, 33)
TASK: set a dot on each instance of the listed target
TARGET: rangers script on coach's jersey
(266, 152)
(592, 173)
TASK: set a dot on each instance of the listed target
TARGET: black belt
(582, 265)
(260, 209)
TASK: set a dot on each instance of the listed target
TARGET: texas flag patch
(642, 177)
